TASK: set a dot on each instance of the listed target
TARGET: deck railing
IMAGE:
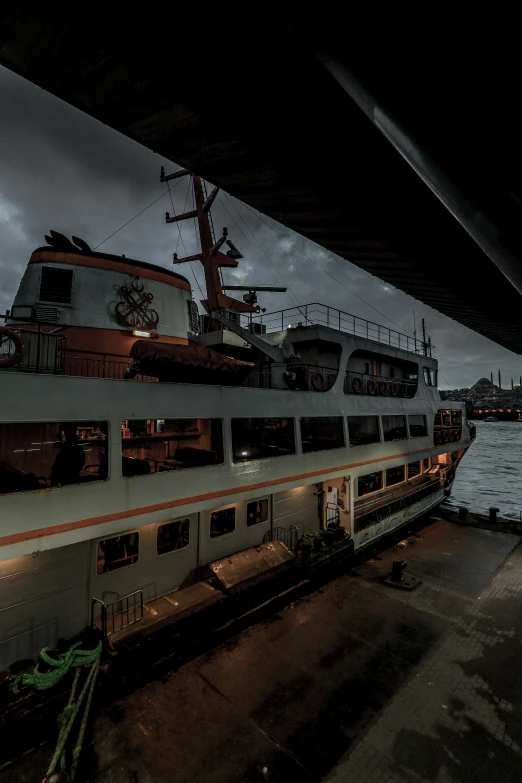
(316, 314)
(395, 506)
(118, 614)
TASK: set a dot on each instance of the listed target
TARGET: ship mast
(211, 257)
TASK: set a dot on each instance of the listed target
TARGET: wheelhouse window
(430, 376)
(257, 512)
(118, 552)
(437, 422)
(394, 427)
(173, 536)
(418, 426)
(394, 475)
(319, 433)
(363, 430)
(371, 482)
(40, 455)
(414, 469)
(222, 522)
(159, 445)
(257, 438)
(446, 418)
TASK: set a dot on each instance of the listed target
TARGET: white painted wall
(95, 294)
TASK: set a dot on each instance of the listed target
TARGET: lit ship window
(118, 552)
(257, 512)
(222, 522)
(363, 430)
(159, 445)
(258, 438)
(56, 285)
(371, 482)
(394, 475)
(394, 427)
(418, 426)
(41, 455)
(173, 536)
(319, 433)
(414, 468)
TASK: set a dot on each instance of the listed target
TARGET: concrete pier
(355, 682)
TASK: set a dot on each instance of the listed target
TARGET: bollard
(306, 550)
(463, 514)
(493, 515)
(318, 543)
(397, 569)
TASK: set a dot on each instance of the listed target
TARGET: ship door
(332, 505)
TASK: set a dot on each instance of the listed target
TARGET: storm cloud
(61, 169)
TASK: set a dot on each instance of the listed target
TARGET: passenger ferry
(140, 441)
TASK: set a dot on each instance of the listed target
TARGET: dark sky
(62, 170)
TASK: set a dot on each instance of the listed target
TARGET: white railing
(316, 314)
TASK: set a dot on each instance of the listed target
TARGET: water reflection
(490, 474)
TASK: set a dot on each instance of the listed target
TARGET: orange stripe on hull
(67, 527)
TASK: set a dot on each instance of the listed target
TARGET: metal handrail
(289, 536)
(109, 619)
(318, 314)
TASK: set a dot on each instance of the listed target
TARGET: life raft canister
(357, 386)
(9, 361)
(317, 380)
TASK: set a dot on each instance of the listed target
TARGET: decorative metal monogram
(135, 311)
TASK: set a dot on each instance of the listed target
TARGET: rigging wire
(130, 221)
(290, 296)
(340, 282)
(292, 245)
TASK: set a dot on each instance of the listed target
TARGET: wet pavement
(356, 682)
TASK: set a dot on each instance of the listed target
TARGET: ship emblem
(135, 311)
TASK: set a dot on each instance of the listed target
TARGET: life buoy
(453, 436)
(371, 386)
(438, 437)
(9, 361)
(383, 388)
(446, 436)
(317, 380)
(405, 388)
(357, 386)
(394, 389)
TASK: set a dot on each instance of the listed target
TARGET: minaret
(499, 381)
(491, 376)
(512, 384)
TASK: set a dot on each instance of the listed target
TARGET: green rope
(76, 658)
(73, 658)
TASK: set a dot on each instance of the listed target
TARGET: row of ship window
(39, 455)
(382, 479)
(123, 550)
(120, 551)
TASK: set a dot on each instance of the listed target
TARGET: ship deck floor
(356, 681)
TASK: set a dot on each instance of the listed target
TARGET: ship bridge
(403, 161)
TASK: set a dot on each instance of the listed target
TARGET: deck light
(138, 333)
(244, 453)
